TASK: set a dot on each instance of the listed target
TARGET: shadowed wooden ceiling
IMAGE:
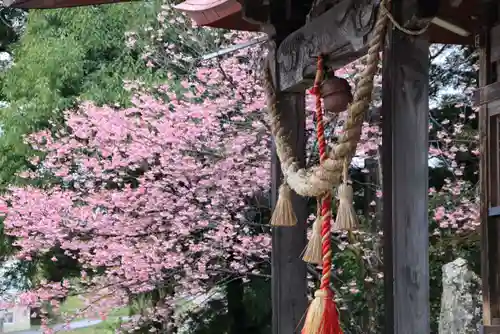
(227, 14)
(465, 14)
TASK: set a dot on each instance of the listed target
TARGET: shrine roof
(229, 14)
(48, 4)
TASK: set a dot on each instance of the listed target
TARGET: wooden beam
(405, 122)
(494, 211)
(340, 33)
(487, 94)
(490, 330)
(289, 272)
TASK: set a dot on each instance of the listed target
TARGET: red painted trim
(224, 14)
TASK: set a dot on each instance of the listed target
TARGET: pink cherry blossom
(161, 192)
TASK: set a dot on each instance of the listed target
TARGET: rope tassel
(312, 253)
(322, 317)
(283, 214)
(346, 215)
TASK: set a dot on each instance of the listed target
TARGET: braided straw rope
(318, 180)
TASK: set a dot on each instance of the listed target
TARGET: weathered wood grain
(490, 330)
(484, 79)
(340, 33)
(289, 284)
(405, 108)
(489, 130)
(487, 94)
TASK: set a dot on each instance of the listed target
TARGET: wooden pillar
(489, 130)
(289, 280)
(289, 272)
(405, 109)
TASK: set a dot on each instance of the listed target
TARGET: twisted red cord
(326, 201)
(330, 321)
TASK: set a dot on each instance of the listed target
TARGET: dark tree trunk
(236, 307)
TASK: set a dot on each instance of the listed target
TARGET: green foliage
(66, 55)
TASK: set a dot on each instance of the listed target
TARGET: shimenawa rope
(319, 181)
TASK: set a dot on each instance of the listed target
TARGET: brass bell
(336, 93)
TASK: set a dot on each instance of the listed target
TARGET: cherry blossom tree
(165, 194)
(153, 195)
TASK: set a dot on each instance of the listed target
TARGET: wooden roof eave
(225, 14)
(50, 4)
